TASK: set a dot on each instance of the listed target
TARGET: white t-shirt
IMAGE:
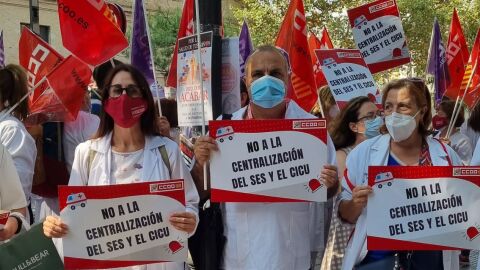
(126, 167)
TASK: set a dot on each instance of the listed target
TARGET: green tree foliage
(265, 16)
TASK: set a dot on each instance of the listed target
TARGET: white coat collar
(104, 144)
(382, 146)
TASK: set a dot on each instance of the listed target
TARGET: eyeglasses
(117, 90)
(371, 115)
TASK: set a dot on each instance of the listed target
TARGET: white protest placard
(268, 160)
(122, 225)
(347, 75)
(378, 33)
(230, 75)
(423, 208)
(189, 96)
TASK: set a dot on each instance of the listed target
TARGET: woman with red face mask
(127, 149)
(458, 141)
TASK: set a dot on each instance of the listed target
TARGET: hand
(163, 126)
(184, 221)
(9, 229)
(329, 175)
(360, 195)
(203, 146)
(54, 227)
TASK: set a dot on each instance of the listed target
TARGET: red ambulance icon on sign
(359, 21)
(383, 179)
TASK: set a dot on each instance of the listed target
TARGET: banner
(122, 225)
(437, 63)
(268, 160)
(315, 44)
(246, 46)
(140, 56)
(3, 218)
(423, 208)
(188, 85)
(230, 75)
(30, 250)
(90, 31)
(473, 94)
(347, 75)
(378, 33)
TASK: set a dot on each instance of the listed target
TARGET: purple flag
(437, 63)
(140, 53)
(246, 46)
(2, 51)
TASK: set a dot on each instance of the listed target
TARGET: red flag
(457, 56)
(64, 98)
(89, 30)
(293, 39)
(473, 94)
(185, 29)
(315, 44)
(38, 58)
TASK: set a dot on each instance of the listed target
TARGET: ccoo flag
(292, 38)
(437, 62)
(185, 29)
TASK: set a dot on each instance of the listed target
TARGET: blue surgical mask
(267, 92)
(372, 127)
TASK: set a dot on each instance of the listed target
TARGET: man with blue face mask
(269, 235)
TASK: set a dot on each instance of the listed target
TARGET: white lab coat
(276, 236)
(472, 135)
(11, 193)
(375, 152)
(21, 146)
(476, 157)
(460, 143)
(154, 169)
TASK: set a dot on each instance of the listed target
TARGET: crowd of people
(108, 149)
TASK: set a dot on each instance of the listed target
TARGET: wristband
(19, 223)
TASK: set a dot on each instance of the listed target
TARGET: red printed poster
(347, 75)
(122, 225)
(423, 208)
(378, 33)
(268, 160)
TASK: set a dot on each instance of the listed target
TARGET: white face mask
(400, 126)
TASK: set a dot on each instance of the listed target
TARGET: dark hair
(100, 72)
(339, 130)
(13, 86)
(419, 91)
(169, 110)
(243, 89)
(327, 101)
(147, 120)
(447, 107)
(474, 120)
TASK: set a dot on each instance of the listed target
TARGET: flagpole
(152, 58)
(9, 111)
(456, 113)
(200, 74)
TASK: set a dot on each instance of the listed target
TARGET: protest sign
(30, 250)
(268, 160)
(423, 208)
(347, 75)
(378, 33)
(230, 75)
(188, 80)
(122, 225)
(3, 218)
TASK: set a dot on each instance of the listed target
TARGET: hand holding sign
(184, 221)
(203, 146)
(54, 227)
